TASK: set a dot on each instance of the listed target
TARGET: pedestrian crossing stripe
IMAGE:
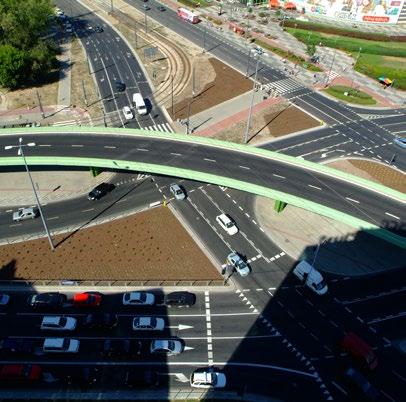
(159, 127)
(332, 75)
(283, 86)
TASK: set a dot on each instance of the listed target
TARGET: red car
(87, 299)
(20, 372)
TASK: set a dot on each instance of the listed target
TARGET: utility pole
(136, 37)
(88, 63)
(104, 118)
(193, 81)
(188, 118)
(146, 22)
(173, 109)
(356, 61)
(258, 53)
(111, 5)
(204, 38)
(40, 104)
(84, 92)
(21, 152)
(331, 67)
(248, 63)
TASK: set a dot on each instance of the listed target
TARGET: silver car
(401, 142)
(148, 323)
(166, 346)
(177, 191)
(238, 263)
(25, 213)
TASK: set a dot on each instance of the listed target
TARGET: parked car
(87, 299)
(100, 191)
(207, 378)
(359, 350)
(25, 213)
(4, 299)
(227, 224)
(16, 346)
(20, 373)
(161, 8)
(100, 321)
(177, 191)
(141, 378)
(238, 263)
(47, 300)
(61, 345)
(120, 86)
(148, 323)
(146, 7)
(401, 142)
(128, 113)
(98, 29)
(121, 348)
(359, 386)
(166, 346)
(58, 323)
(138, 299)
(180, 299)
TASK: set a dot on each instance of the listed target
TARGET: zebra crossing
(283, 87)
(164, 127)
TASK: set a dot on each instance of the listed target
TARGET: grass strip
(353, 95)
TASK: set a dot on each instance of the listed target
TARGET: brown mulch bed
(151, 245)
(227, 84)
(373, 171)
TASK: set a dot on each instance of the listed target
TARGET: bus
(188, 15)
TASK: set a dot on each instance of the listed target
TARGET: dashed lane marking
(352, 200)
(209, 160)
(279, 176)
(208, 326)
(315, 187)
(392, 216)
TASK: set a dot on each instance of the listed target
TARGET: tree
(13, 65)
(311, 49)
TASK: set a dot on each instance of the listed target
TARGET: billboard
(379, 11)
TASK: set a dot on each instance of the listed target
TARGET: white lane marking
(9, 210)
(277, 175)
(52, 217)
(175, 154)
(393, 216)
(244, 167)
(154, 204)
(388, 317)
(110, 147)
(77, 146)
(143, 149)
(209, 160)
(352, 200)
(208, 321)
(339, 388)
(44, 145)
(317, 188)
(87, 210)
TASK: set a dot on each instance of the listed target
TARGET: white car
(138, 299)
(148, 323)
(166, 346)
(25, 213)
(207, 378)
(227, 224)
(128, 113)
(238, 263)
(400, 142)
(177, 191)
(4, 299)
(58, 323)
(61, 345)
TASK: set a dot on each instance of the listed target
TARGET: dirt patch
(151, 245)
(278, 120)
(372, 171)
(227, 84)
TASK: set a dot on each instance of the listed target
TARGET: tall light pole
(21, 152)
(355, 64)
(331, 67)
(258, 52)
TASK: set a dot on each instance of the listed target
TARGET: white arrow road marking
(180, 327)
(179, 376)
(188, 348)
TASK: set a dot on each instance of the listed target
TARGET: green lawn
(194, 3)
(376, 59)
(289, 56)
(354, 96)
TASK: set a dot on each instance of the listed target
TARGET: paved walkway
(64, 84)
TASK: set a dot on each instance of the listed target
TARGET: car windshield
(142, 297)
(63, 321)
(171, 345)
(320, 285)
(229, 224)
(178, 192)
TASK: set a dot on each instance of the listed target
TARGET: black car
(360, 387)
(100, 191)
(141, 379)
(180, 299)
(120, 86)
(100, 321)
(16, 346)
(98, 29)
(47, 300)
(85, 376)
(121, 348)
(161, 8)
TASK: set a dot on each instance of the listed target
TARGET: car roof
(54, 342)
(204, 376)
(51, 319)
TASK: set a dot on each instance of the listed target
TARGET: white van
(311, 277)
(139, 104)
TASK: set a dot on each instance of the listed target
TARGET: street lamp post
(355, 64)
(21, 152)
(258, 53)
(331, 68)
